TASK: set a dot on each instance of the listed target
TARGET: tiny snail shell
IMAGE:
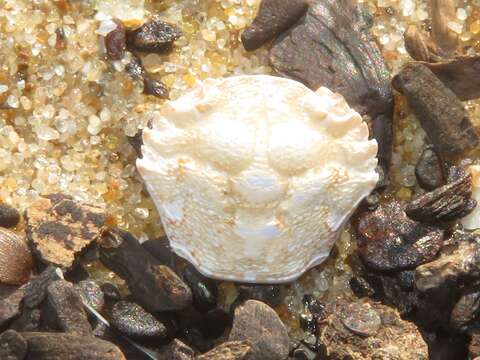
(16, 260)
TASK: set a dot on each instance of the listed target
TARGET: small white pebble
(3, 88)
(106, 26)
(461, 14)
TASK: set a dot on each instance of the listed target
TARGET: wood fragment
(443, 12)
(461, 75)
(439, 110)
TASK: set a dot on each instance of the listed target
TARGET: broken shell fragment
(254, 176)
(15, 258)
(472, 220)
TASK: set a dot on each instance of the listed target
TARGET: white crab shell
(254, 176)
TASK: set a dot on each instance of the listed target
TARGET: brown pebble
(460, 265)
(16, 260)
(273, 17)
(154, 36)
(389, 240)
(259, 324)
(116, 42)
(12, 346)
(154, 87)
(231, 350)
(176, 350)
(61, 346)
(449, 202)
(443, 12)
(439, 110)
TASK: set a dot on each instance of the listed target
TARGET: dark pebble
(12, 346)
(155, 88)
(389, 240)
(36, 289)
(466, 309)
(153, 285)
(111, 292)
(361, 287)
(116, 42)
(447, 203)
(304, 353)
(134, 69)
(64, 309)
(231, 350)
(269, 294)
(10, 299)
(91, 294)
(429, 170)
(9, 216)
(204, 290)
(161, 250)
(136, 141)
(29, 320)
(154, 36)
(308, 322)
(132, 320)
(273, 17)
(314, 306)
(258, 323)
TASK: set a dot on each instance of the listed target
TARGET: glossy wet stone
(110, 292)
(153, 285)
(12, 346)
(429, 170)
(389, 240)
(256, 322)
(449, 202)
(91, 293)
(204, 290)
(132, 320)
(273, 17)
(154, 36)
